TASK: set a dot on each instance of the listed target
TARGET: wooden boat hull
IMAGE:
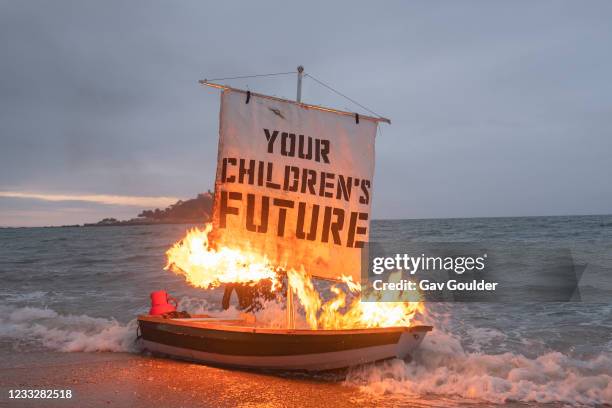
(232, 344)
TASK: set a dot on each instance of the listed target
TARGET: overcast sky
(498, 108)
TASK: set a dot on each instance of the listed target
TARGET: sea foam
(27, 327)
(442, 367)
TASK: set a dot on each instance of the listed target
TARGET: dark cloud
(497, 108)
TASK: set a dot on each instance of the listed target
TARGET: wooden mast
(290, 305)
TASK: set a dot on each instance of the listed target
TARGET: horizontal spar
(304, 105)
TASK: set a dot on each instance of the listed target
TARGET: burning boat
(232, 343)
(292, 202)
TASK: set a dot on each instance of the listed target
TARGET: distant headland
(194, 211)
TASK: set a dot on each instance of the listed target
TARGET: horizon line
(374, 219)
(106, 199)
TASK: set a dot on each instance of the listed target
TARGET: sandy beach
(124, 379)
(140, 380)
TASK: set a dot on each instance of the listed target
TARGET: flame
(206, 267)
(361, 312)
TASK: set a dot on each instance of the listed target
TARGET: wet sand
(123, 379)
(138, 380)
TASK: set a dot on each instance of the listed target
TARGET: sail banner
(294, 183)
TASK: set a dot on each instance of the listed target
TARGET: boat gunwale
(250, 329)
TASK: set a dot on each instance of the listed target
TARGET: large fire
(203, 266)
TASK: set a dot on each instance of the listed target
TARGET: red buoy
(160, 303)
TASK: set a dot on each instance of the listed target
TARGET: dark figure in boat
(251, 298)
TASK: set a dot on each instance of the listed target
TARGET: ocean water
(79, 289)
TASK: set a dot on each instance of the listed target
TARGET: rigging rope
(250, 76)
(342, 95)
(305, 75)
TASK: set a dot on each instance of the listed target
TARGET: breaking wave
(27, 327)
(34, 327)
(442, 367)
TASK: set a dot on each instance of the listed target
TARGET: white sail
(294, 183)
